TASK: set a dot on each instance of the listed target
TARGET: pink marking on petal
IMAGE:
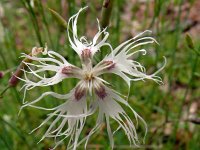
(86, 53)
(79, 93)
(101, 92)
(110, 64)
(67, 70)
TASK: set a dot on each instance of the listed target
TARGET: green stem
(45, 23)
(106, 13)
(13, 128)
(1, 94)
(3, 59)
(185, 95)
(171, 72)
(8, 145)
(178, 27)
(27, 5)
(105, 16)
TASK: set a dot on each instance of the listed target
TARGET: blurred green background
(170, 110)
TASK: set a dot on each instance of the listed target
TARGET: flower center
(89, 76)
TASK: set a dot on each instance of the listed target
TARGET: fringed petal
(38, 69)
(121, 63)
(81, 45)
(69, 116)
(109, 107)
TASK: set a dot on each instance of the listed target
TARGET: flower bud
(1, 74)
(189, 41)
(19, 72)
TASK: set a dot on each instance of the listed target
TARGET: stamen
(101, 92)
(89, 77)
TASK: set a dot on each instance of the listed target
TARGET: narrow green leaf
(58, 18)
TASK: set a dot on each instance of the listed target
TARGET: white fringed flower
(92, 92)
